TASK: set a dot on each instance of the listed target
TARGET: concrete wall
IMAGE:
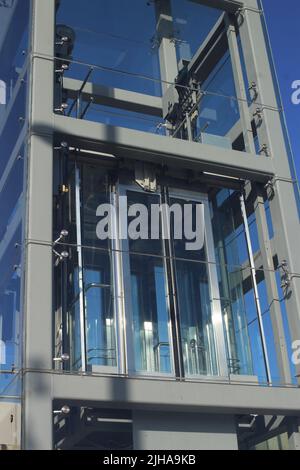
(161, 431)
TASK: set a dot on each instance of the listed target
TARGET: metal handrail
(92, 285)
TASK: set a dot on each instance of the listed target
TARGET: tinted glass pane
(14, 25)
(12, 127)
(10, 306)
(10, 194)
(150, 315)
(194, 299)
(151, 322)
(116, 35)
(99, 305)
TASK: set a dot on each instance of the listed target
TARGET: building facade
(144, 342)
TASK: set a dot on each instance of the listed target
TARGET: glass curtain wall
(150, 303)
(14, 47)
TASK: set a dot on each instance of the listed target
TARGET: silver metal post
(80, 273)
(255, 288)
(189, 127)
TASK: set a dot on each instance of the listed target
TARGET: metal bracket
(62, 108)
(285, 277)
(264, 149)
(259, 114)
(269, 187)
(145, 177)
(64, 255)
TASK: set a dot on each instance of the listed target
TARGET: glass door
(147, 309)
(196, 286)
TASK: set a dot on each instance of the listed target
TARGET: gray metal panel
(172, 431)
(160, 149)
(187, 396)
(227, 5)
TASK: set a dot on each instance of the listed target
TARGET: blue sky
(283, 26)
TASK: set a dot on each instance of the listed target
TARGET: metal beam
(115, 97)
(128, 143)
(210, 52)
(170, 395)
(231, 6)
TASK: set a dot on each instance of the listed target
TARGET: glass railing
(213, 119)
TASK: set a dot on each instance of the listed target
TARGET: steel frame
(38, 373)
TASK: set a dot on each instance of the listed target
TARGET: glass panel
(12, 127)
(98, 285)
(10, 308)
(10, 194)
(95, 190)
(269, 219)
(269, 334)
(286, 325)
(117, 35)
(194, 299)
(98, 275)
(113, 116)
(192, 24)
(213, 118)
(99, 307)
(150, 313)
(13, 47)
(234, 276)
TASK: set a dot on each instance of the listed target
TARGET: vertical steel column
(239, 84)
(167, 48)
(262, 227)
(118, 288)
(255, 289)
(282, 203)
(37, 422)
(271, 286)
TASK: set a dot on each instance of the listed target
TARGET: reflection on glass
(196, 328)
(218, 113)
(11, 194)
(12, 127)
(151, 322)
(117, 35)
(10, 307)
(14, 50)
(229, 247)
(98, 286)
(192, 24)
(99, 304)
(98, 276)
(195, 310)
